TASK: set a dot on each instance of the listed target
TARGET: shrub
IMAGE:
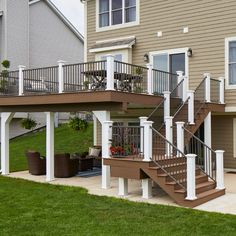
(77, 124)
(6, 64)
(28, 123)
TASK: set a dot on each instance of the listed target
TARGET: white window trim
(227, 41)
(123, 52)
(123, 25)
(173, 51)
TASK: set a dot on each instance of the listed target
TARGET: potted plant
(86, 84)
(117, 151)
(28, 123)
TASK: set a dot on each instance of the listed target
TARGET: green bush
(6, 64)
(78, 124)
(28, 123)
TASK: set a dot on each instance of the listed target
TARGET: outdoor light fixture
(146, 57)
(190, 52)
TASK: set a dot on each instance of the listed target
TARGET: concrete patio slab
(223, 204)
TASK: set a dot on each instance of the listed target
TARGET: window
(230, 63)
(116, 12)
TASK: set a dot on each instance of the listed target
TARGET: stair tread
(197, 177)
(208, 192)
(198, 186)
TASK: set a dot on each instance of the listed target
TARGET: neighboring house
(143, 57)
(36, 34)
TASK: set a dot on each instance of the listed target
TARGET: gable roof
(62, 17)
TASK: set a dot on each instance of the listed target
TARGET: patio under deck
(83, 101)
(223, 204)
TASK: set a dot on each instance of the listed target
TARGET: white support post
(123, 187)
(147, 188)
(94, 130)
(149, 79)
(166, 103)
(207, 87)
(181, 77)
(147, 140)
(191, 107)
(222, 90)
(49, 146)
(61, 75)
(207, 141)
(185, 88)
(6, 118)
(141, 120)
(169, 134)
(220, 169)
(180, 137)
(191, 177)
(21, 80)
(110, 72)
(106, 144)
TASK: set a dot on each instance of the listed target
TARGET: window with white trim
(116, 12)
(232, 63)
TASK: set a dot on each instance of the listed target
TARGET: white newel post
(49, 146)
(106, 144)
(220, 169)
(61, 75)
(191, 107)
(207, 141)
(166, 103)
(191, 175)
(169, 134)
(181, 77)
(149, 79)
(180, 136)
(147, 140)
(21, 80)
(141, 120)
(110, 72)
(6, 118)
(222, 90)
(207, 87)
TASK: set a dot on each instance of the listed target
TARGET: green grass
(66, 140)
(29, 208)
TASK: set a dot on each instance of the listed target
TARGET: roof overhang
(114, 44)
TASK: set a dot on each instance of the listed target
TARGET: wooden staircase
(205, 187)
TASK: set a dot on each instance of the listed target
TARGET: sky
(74, 11)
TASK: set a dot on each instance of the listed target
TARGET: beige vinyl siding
(222, 138)
(209, 22)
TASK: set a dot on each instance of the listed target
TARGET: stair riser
(198, 181)
(206, 188)
(178, 169)
(180, 176)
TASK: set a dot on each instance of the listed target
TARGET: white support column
(21, 80)
(166, 103)
(169, 134)
(123, 187)
(222, 90)
(49, 146)
(191, 107)
(185, 88)
(149, 79)
(142, 119)
(106, 144)
(6, 118)
(220, 169)
(181, 77)
(147, 188)
(61, 75)
(207, 141)
(191, 177)
(147, 140)
(207, 87)
(180, 137)
(110, 72)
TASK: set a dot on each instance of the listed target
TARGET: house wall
(16, 30)
(50, 39)
(209, 22)
(222, 138)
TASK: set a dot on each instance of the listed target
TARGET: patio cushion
(94, 151)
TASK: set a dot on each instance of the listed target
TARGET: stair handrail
(180, 154)
(210, 173)
(156, 108)
(177, 86)
(180, 107)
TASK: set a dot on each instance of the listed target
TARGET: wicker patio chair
(36, 163)
(65, 166)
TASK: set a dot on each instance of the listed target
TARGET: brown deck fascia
(86, 101)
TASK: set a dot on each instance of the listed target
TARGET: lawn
(66, 140)
(29, 208)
